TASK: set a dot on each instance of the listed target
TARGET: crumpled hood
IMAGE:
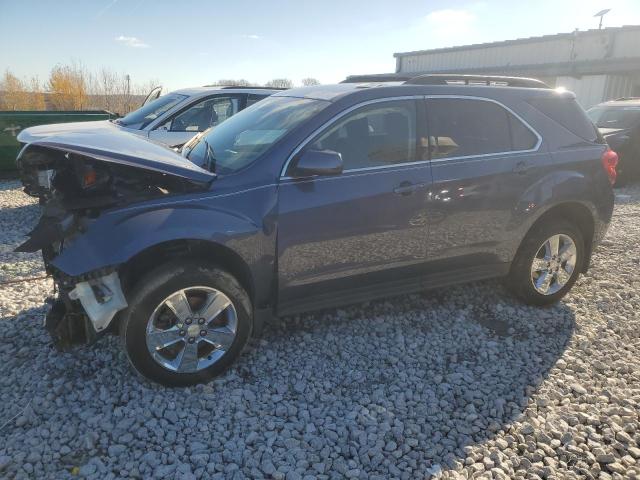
(110, 144)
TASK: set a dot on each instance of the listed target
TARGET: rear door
(342, 234)
(483, 158)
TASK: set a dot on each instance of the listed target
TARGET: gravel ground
(456, 383)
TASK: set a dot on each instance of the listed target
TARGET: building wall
(560, 50)
(593, 89)
(597, 65)
(589, 89)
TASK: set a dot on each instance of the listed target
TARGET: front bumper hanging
(79, 315)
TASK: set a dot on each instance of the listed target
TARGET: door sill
(392, 289)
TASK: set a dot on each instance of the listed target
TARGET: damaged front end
(79, 185)
(84, 310)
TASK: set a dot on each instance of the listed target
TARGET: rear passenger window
(374, 135)
(460, 127)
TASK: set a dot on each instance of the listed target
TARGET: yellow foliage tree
(14, 94)
(68, 88)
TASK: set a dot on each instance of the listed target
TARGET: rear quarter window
(569, 114)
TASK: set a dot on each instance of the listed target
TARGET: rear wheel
(548, 263)
(186, 323)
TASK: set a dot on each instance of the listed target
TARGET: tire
(169, 306)
(522, 280)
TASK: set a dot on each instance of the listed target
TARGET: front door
(197, 117)
(339, 235)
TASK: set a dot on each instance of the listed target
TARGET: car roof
(208, 89)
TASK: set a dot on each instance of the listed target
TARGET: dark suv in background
(312, 198)
(619, 123)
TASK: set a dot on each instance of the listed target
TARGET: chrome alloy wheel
(191, 329)
(553, 264)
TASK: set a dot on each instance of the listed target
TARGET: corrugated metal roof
(517, 41)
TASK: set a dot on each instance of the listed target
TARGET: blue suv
(313, 198)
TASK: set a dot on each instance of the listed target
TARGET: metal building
(597, 65)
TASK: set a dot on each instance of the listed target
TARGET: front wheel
(186, 323)
(548, 263)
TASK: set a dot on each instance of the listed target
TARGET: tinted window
(204, 114)
(254, 98)
(522, 138)
(460, 127)
(615, 117)
(373, 135)
(569, 114)
(240, 140)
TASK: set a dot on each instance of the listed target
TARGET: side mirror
(318, 162)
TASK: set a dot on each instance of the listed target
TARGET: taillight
(609, 163)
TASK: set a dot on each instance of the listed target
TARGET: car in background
(172, 119)
(619, 124)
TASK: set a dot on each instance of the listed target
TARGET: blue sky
(188, 43)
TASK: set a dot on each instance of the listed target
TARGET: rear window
(615, 117)
(467, 127)
(568, 113)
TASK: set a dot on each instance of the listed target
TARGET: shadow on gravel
(20, 211)
(444, 377)
(9, 183)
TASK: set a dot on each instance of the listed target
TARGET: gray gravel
(455, 383)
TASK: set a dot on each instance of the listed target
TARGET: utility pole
(128, 92)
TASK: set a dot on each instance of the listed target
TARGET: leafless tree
(279, 83)
(107, 89)
(235, 83)
(116, 92)
(310, 81)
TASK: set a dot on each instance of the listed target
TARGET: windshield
(616, 117)
(146, 114)
(239, 141)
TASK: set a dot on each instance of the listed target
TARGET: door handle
(521, 168)
(407, 188)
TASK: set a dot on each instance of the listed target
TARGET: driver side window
(202, 115)
(380, 134)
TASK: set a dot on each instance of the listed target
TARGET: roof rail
(488, 80)
(377, 77)
(247, 87)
